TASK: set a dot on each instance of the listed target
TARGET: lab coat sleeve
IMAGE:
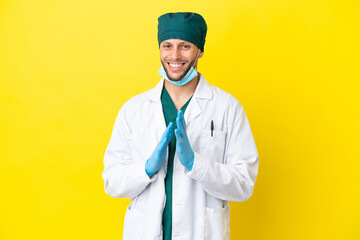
(234, 179)
(123, 176)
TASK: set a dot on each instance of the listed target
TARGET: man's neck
(181, 94)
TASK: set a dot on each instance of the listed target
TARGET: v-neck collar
(169, 105)
(202, 91)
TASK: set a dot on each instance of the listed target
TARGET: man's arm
(234, 179)
(123, 177)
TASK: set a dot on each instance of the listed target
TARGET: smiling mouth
(175, 66)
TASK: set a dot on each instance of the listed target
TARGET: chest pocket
(213, 146)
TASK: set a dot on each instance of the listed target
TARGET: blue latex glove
(154, 163)
(183, 148)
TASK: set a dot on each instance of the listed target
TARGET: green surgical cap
(186, 26)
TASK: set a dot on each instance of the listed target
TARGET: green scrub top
(170, 114)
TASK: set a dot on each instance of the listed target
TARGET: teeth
(175, 65)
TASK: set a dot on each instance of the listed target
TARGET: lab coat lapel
(192, 111)
(154, 94)
(202, 91)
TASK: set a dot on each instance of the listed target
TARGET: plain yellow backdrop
(66, 68)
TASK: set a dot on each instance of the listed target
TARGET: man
(183, 149)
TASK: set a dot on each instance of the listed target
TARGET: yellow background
(66, 68)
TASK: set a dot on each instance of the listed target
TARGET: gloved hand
(154, 163)
(183, 148)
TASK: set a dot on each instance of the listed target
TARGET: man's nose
(175, 54)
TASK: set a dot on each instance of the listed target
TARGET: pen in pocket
(212, 128)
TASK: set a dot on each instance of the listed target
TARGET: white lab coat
(225, 165)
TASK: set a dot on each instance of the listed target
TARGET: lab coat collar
(202, 90)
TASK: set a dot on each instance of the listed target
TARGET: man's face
(178, 56)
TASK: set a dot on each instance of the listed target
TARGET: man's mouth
(175, 66)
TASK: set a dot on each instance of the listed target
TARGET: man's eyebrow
(166, 42)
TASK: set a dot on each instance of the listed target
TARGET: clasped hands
(183, 148)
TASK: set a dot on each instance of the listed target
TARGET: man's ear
(201, 54)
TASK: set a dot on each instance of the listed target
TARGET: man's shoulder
(223, 97)
(139, 101)
(141, 97)
(133, 105)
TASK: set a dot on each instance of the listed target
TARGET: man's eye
(186, 46)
